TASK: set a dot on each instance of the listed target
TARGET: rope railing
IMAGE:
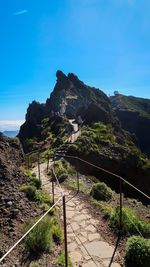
(59, 185)
(109, 172)
(137, 229)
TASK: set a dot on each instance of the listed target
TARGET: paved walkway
(76, 133)
(85, 245)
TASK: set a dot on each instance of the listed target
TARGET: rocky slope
(15, 208)
(72, 98)
(134, 115)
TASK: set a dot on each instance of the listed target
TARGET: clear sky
(105, 42)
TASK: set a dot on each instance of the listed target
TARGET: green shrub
(138, 251)
(62, 177)
(35, 182)
(57, 233)
(43, 197)
(73, 149)
(40, 238)
(30, 191)
(60, 261)
(100, 191)
(61, 172)
(130, 222)
(65, 163)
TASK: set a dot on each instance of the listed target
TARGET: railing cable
(109, 172)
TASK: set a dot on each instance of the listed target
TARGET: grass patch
(138, 251)
(40, 238)
(33, 194)
(42, 197)
(130, 222)
(60, 261)
(43, 236)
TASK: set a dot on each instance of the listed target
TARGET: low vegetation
(138, 251)
(100, 191)
(30, 191)
(61, 171)
(33, 194)
(130, 222)
(43, 236)
(60, 261)
(43, 197)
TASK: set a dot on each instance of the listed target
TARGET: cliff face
(134, 115)
(72, 98)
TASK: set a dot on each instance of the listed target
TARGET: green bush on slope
(138, 251)
(42, 237)
(130, 222)
(100, 191)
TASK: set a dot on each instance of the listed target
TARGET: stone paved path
(85, 245)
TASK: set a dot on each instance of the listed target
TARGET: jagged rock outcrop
(134, 115)
(72, 98)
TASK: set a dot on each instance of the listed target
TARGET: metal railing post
(28, 162)
(65, 230)
(120, 206)
(53, 188)
(78, 186)
(54, 162)
(39, 173)
(47, 163)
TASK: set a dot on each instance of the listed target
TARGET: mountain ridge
(134, 116)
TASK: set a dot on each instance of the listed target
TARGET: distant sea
(10, 133)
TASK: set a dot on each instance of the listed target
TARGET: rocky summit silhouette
(70, 97)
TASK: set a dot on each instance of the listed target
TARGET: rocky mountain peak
(70, 98)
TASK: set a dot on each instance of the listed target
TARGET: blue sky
(105, 42)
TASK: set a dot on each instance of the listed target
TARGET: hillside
(100, 145)
(15, 208)
(134, 115)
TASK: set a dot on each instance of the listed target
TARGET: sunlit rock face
(70, 98)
